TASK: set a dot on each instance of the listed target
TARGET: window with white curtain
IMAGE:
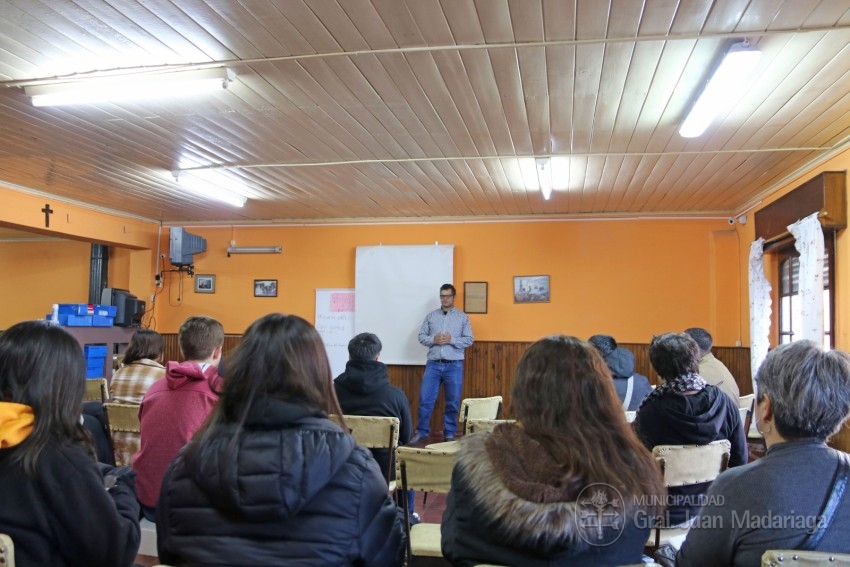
(790, 319)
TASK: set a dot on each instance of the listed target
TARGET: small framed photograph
(475, 297)
(265, 288)
(531, 289)
(204, 283)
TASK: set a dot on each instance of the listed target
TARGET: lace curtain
(760, 308)
(809, 243)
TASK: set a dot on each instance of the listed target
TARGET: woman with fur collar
(568, 484)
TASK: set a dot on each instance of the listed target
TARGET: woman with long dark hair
(269, 479)
(568, 484)
(56, 502)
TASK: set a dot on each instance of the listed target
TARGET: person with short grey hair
(778, 502)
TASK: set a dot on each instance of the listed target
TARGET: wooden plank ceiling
(415, 109)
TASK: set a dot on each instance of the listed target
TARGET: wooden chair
(424, 470)
(374, 432)
(479, 408)
(796, 558)
(478, 425)
(684, 465)
(7, 551)
(122, 423)
(97, 390)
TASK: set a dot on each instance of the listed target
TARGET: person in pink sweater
(174, 409)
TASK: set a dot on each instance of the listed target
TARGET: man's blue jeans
(436, 373)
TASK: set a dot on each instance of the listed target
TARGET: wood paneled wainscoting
(489, 370)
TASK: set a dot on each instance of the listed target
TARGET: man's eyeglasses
(445, 296)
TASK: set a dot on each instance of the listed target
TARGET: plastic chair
(630, 415)
(684, 465)
(122, 423)
(374, 432)
(479, 408)
(780, 557)
(424, 470)
(478, 425)
(7, 551)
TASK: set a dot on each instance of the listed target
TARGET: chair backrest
(97, 389)
(479, 408)
(7, 551)
(122, 417)
(373, 432)
(478, 425)
(692, 464)
(744, 402)
(630, 415)
(783, 557)
(425, 470)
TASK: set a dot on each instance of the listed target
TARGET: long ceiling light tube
(544, 176)
(721, 89)
(254, 249)
(210, 187)
(131, 87)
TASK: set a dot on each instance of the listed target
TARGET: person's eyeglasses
(445, 296)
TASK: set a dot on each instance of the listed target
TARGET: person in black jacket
(684, 410)
(568, 484)
(364, 389)
(269, 479)
(59, 506)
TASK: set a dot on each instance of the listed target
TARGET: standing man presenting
(446, 332)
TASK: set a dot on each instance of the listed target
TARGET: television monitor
(183, 245)
(129, 310)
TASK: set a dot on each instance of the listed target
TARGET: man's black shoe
(417, 438)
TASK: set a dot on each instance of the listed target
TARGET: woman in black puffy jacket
(269, 479)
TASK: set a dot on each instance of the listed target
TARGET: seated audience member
(140, 369)
(778, 501)
(174, 409)
(271, 474)
(684, 410)
(364, 389)
(631, 387)
(712, 370)
(59, 506)
(564, 485)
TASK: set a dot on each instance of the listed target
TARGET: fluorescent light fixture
(211, 184)
(560, 172)
(723, 87)
(544, 176)
(254, 249)
(131, 87)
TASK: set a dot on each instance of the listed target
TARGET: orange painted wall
(629, 278)
(38, 274)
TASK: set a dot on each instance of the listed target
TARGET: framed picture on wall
(204, 283)
(265, 288)
(475, 297)
(531, 289)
